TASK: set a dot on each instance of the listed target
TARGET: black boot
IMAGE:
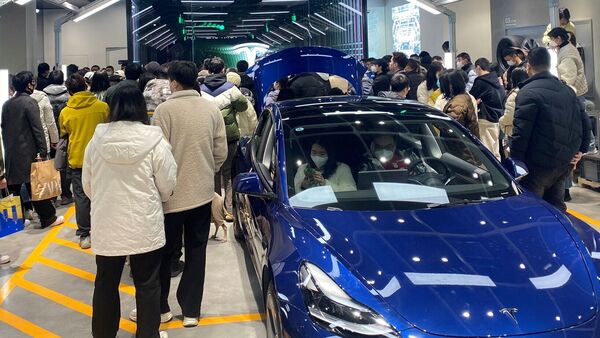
(567, 196)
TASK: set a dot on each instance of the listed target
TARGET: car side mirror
(515, 168)
(250, 184)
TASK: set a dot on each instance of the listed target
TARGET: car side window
(260, 132)
(264, 151)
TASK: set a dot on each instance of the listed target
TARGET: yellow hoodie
(78, 121)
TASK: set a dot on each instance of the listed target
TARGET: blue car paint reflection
(445, 272)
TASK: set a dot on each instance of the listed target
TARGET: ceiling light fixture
(315, 28)
(265, 19)
(204, 21)
(291, 33)
(22, 2)
(142, 11)
(429, 7)
(329, 22)
(268, 13)
(204, 13)
(248, 25)
(166, 45)
(162, 40)
(243, 29)
(146, 25)
(216, 2)
(280, 1)
(281, 37)
(168, 41)
(149, 34)
(94, 8)
(306, 29)
(157, 37)
(350, 8)
(272, 40)
(263, 41)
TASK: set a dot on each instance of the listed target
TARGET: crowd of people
(149, 150)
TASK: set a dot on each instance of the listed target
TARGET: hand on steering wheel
(440, 167)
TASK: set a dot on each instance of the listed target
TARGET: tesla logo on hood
(510, 313)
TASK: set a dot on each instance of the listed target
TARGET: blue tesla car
(370, 217)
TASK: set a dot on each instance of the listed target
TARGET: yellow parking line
(25, 326)
(594, 223)
(70, 225)
(68, 302)
(251, 317)
(70, 244)
(128, 289)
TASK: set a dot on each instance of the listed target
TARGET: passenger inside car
(384, 154)
(323, 169)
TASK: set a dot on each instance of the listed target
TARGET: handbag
(11, 215)
(45, 181)
(60, 160)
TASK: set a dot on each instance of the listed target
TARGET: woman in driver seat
(322, 168)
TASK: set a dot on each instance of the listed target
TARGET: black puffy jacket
(550, 125)
(488, 89)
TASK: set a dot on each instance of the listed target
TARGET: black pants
(82, 204)
(194, 226)
(45, 209)
(107, 304)
(548, 183)
(65, 184)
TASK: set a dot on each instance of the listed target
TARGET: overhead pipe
(58, 37)
(553, 9)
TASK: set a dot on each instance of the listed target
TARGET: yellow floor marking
(70, 244)
(251, 317)
(70, 225)
(592, 222)
(68, 302)
(25, 326)
(128, 289)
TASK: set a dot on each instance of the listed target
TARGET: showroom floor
(46, 291)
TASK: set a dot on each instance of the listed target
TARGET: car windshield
(385, 160)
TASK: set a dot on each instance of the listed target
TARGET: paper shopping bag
(11, 217)
(45, 181)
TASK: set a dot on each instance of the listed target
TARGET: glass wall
(171, 29)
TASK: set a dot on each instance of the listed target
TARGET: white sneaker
(85, 242)
(59, 220)
(29, 215)
(164, 317)
(190, 322)
(163, 334)
(4, 259)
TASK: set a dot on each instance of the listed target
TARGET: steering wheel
(419, 170)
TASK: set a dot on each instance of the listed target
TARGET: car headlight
(334, 309)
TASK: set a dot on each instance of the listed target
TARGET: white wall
(18, 31)
(84, 43)
(473, 28)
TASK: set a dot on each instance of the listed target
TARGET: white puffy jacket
(47, 117)
(571, 70)
(128, 172)
(506, 121)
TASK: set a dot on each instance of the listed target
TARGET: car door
(264, 163)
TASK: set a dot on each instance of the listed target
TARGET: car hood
(452, 271)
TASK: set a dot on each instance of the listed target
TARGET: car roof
(317, 105)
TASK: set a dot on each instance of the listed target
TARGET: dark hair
(437, 58)
(22, 80)
(426, 59)
(387, 58)
(71, 69)
(539, 59)
(424, 53)
(331, 165)
(371, 60)
(81, 72)
(414, 65)
(559, 32)
(96, 66)
(43, 67)
(465, 56)
(285, 94)
(434, 68)
(399, 82)
(75, 84)
(100, 82)
(133, 71)
(230, 70)
(128, 104)
(400, 59)
(185, 73)
(242, 66)
(111, 67)
(144, 79)
(11, 87)
(216, 65)
(446, 45)
(56, 77)
(563, 13)
(518, 75)
(335, 91)
(452, 83)
(484, 64)
(383, 64)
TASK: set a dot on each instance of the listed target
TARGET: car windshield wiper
(462, 202)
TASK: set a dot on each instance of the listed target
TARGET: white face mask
(460, 64)
(374, 69)
(384, 155)
(510, 63)
(319, 161)
(553, 44)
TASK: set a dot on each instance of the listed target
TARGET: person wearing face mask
(385, 155)
(463, 61)
(323, 169)
(24, 143)
(515, 58)
(570, 66)
(367, 80)
(564, 17)
(381, 83)
(429, 90)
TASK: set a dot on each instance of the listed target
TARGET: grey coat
(23, 137)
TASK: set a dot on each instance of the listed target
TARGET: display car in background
(419, 232)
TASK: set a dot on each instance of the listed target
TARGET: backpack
(248, 94)
(57, 107)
